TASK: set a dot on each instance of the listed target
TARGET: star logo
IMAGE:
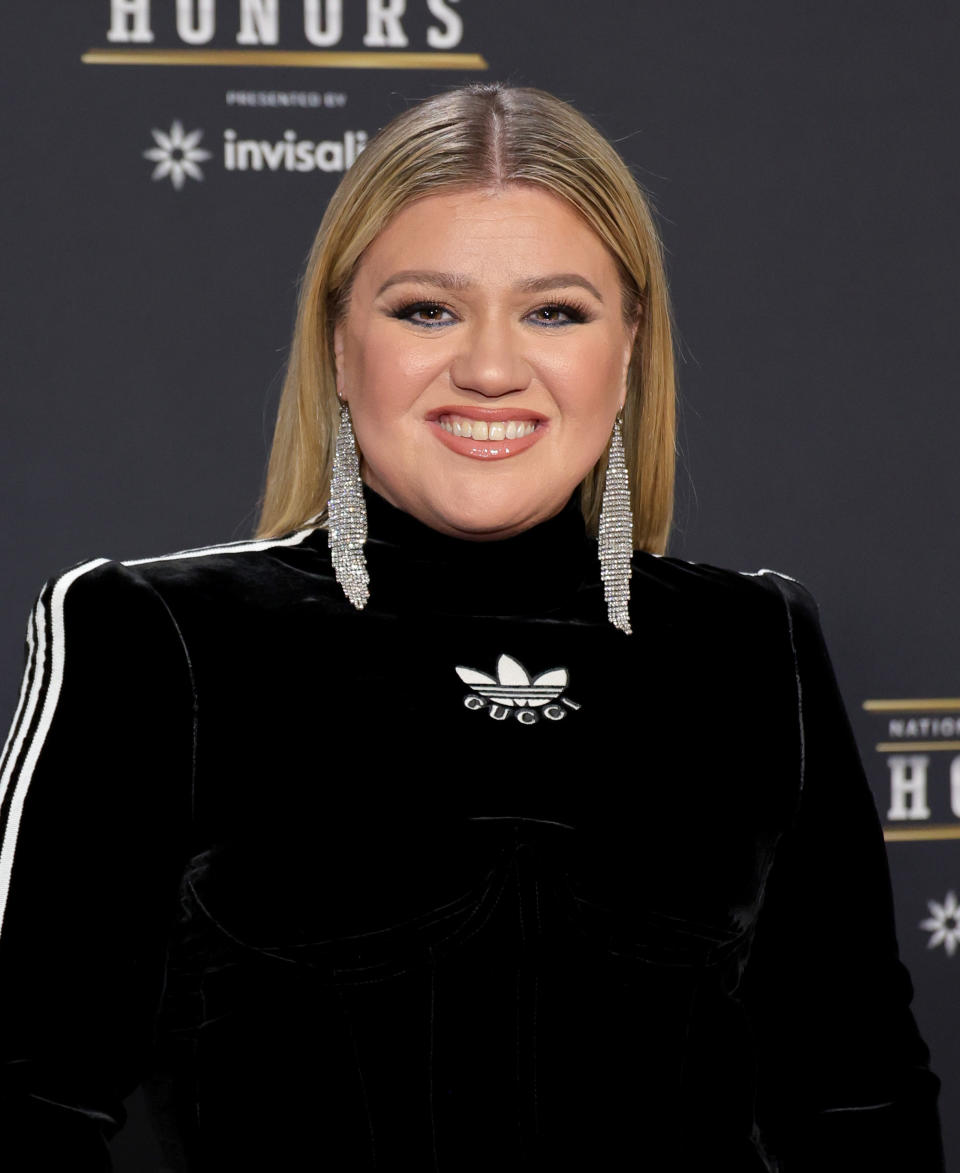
(943, 924)
(176, 154)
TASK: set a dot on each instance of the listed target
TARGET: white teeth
(486, 430)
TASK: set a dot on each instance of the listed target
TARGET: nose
(490, 361)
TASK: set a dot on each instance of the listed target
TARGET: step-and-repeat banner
(166, 164)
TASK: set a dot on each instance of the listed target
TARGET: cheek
(594, 358)
(385, 372)
(590, 384)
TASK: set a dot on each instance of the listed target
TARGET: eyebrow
(460, 281)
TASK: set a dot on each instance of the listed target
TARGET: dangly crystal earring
(616, 534)
(347, 516)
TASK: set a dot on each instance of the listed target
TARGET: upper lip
(487, 413)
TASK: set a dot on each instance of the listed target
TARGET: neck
(524, 573)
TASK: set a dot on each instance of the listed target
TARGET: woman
(425, 838)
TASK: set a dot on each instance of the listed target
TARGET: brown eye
(560, 314)
(422, 313)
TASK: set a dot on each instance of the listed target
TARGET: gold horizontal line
(317, 59)
(935, 831)
(941, 704)
(894, 746)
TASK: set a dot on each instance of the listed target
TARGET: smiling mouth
(492, 437)
(473, 429)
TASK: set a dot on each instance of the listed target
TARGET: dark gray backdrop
(803, 162)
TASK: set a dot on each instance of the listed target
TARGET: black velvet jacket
(468, 880)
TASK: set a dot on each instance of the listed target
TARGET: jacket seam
(194, 713)
(796, 674)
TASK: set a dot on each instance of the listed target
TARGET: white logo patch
(512, 692)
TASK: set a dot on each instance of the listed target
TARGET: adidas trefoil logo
(513, 693)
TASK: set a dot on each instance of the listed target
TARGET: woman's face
(484, 357)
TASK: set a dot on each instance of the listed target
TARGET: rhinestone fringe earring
(616, 534)
(347, 516)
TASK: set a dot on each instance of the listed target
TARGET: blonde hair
(481, 135)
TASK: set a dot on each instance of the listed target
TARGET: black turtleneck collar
(533, 572)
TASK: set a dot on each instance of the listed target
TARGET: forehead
(509, 232)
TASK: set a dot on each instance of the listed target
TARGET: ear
(627, 356)
(338, 359)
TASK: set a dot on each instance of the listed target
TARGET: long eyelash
(577, 311)
(409, 308)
